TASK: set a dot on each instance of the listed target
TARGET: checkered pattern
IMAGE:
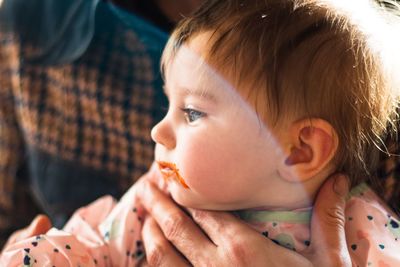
(389, 174)
(95, 113)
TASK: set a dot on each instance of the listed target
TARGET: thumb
(328, 241)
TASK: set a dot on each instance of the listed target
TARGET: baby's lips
(169, 170)
(166, 169)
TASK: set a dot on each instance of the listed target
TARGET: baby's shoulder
(372, 229)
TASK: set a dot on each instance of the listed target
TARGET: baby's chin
(188, 199)
(185, 198)
(182, 197)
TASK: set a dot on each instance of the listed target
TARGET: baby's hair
(302, 59)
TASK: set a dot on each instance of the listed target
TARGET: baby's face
(224, 153)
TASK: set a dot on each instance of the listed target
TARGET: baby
(267, 99)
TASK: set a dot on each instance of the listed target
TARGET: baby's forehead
(209, 70)
(189, 70)
(193, 57)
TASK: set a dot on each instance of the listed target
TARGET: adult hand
(40, 225)
(173, 238)
(328, 240)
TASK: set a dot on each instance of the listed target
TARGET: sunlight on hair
(391, 55)
(379, 25)
(355, 92)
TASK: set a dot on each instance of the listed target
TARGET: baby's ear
(310, 146)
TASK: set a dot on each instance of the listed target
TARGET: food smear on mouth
(169, 171)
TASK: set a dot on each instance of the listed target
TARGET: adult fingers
(159, 252)
(220, 226)
(233, 238)
(328, 242)
(154, 176)
(176, 225)
(240, 245)
(233, 247)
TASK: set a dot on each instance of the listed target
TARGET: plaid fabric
(73, 132)
(389, 174)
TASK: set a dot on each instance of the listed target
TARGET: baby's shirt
(372, 230)
(109, 234)
(102, 234)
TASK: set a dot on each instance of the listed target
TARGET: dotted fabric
(372, 230)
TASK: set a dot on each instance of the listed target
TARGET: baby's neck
(296, 195)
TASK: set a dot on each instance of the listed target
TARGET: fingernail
(341, 185)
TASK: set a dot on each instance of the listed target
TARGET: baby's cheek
(203, 172)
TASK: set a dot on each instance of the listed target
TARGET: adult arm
(173, 237)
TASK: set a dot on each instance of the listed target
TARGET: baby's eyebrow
(201, 93)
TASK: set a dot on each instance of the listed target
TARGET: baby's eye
(191, 114)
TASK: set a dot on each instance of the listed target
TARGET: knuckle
(199, 215)
(239, 254)
(154, 255)
(173, 225)
(334, 217)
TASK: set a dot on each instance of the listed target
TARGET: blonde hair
(305, 59)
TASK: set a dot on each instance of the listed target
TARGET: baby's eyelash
(192, 115)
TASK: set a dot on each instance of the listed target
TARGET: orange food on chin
(169, 170)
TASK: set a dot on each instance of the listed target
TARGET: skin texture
(226, 154)
(187, 140)
(226, 171)
(224, 239)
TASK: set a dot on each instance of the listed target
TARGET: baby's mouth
(170, 171)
